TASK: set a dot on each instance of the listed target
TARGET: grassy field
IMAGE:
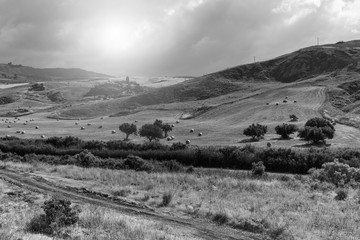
(278, 206)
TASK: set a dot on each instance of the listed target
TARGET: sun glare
(113, 39)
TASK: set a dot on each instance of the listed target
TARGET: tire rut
(200, 229)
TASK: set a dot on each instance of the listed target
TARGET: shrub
(341, 194)
(85, 158)
(173, 166)
(258, 169)
(178, 146)
(285, 130)
(337, 173)
(317, 129)
(255, 131)
(221, 218)
(58, 214)
(137, 163)
(293, 118)
(166, 199)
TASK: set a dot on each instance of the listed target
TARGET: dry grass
(282, 204)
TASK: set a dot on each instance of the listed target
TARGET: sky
(167, 37)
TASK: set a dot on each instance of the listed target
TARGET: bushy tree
(165, 127)
(255, 131)
(316, 130)
(286, 129)
(128, 129)
(293, 117)
(150, 131)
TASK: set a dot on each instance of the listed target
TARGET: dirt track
(199, 229)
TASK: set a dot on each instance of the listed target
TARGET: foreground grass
(277, 205)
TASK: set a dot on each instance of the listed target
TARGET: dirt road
(200, 229)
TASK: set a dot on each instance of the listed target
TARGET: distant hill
(24, 73)
(299, 65)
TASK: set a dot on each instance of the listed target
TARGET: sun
(113, 38)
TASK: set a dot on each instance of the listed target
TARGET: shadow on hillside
(281, 139)
(309, 145)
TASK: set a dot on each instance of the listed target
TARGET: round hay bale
(268, 144)
(42, 136)
(136, 120)
(192, 130)
(22, 132)
(169, 138)
(276, 104)
(8, 136)
(295, 101)
(18, 131)
(9, 126)
(177, 121)
(100, 126)
(24, 123)
(37, 127)
(187, 141)
(76, 123)
(285, 101)
(113, 131)
(172, 137)
(82, 128)
(101, 118)
(89, 124)
(172, 125)
(200, 134)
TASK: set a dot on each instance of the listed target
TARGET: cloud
(187, 37)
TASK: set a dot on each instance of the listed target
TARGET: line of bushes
(111, 153)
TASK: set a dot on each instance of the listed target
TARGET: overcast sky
(167, 37)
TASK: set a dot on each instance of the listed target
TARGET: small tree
(150, 131)
(128, 129)
(166, 128)
(293, 118)
(316, 130)
(286, 129)
(158, 123)
(255, 131)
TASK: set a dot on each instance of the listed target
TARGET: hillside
(299, 65)
(23, 73)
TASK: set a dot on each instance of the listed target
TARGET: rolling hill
(23, 73)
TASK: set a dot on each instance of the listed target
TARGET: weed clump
(166, 199)
(341, 195)
(258, 169)
(58, 214)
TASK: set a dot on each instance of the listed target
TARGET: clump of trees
(285, 130)
(150, 131)
(128, 129)
(317, 130)
(37, 87)
(165, 127)
(255, 131)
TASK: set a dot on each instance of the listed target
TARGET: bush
(258, 169)
(285, 130)
(293, 118)
(86, 159)
(166, 199)
(128, 129)
(337, 173)
(58, 214)
(137, 163)
(255, 131)
(173, 166)
(178, 146)
(341, 195)
(316, 130)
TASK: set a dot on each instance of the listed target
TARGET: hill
(297, 66)
(24, 73)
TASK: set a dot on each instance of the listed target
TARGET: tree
(286, 129)
(128, 129)
(150, 131)
(293, 118)
(255, 131)
(166, 128)
(316, 130)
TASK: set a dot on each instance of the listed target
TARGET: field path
(201, 230)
